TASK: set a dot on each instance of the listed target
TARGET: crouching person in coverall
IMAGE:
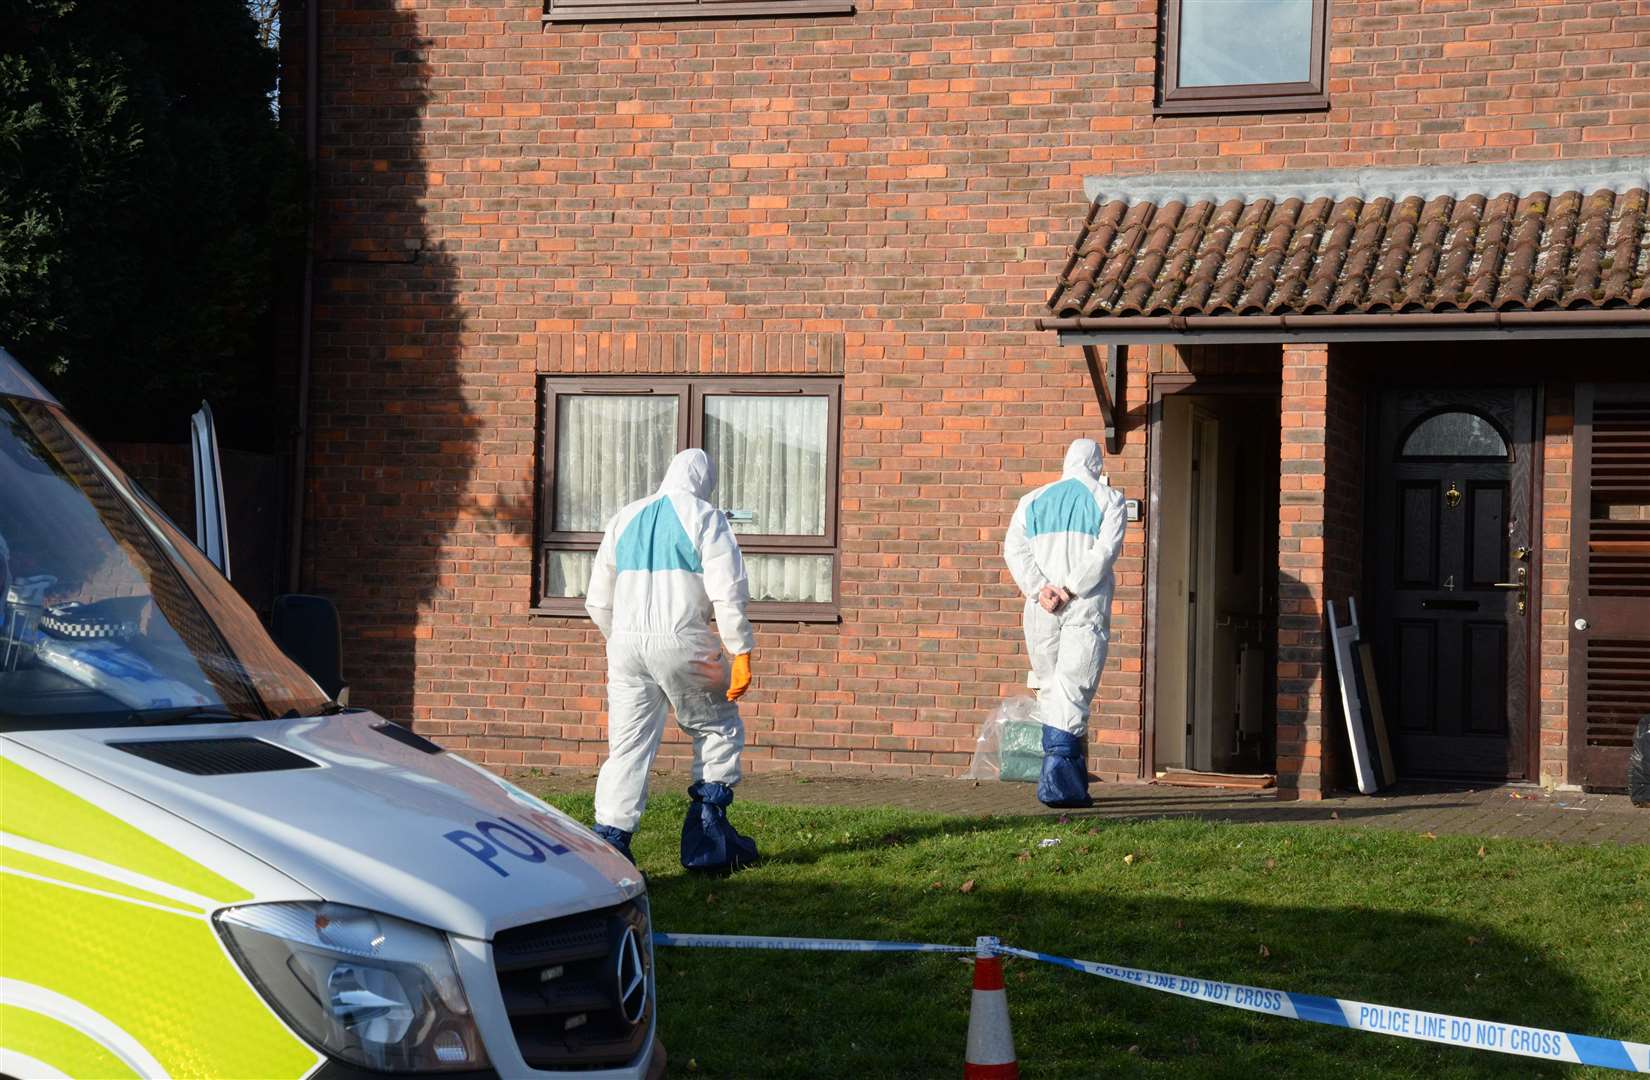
(665, 563)
(1062, 544)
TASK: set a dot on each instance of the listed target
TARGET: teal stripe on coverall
(655, 540)
(1068, 506)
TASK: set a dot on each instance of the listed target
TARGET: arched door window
(1455, 434)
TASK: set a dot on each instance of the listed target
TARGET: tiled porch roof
(1565, 237)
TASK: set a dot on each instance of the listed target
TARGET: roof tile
(1317, 254)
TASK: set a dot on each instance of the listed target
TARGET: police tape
(1417, 1024)
(1380, 1019)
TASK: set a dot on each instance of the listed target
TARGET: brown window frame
(1176, 100)
(690, 392)
(579, 11)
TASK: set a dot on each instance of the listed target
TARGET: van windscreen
(110, 615)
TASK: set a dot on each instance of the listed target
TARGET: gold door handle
(1522, 585)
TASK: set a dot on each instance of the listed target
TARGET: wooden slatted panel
(1618, 690)
(1621, 448)
(1610, 660)
(1618, 543)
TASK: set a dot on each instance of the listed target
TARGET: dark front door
(1450, 537)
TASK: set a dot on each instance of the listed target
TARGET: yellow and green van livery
(109, 963)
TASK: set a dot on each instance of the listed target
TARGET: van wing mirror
(308, 631)
(211, 528)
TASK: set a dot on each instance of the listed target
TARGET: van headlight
(371, 989)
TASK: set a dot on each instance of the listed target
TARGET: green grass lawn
(1530, 933)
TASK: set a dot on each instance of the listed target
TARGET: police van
(211, 867)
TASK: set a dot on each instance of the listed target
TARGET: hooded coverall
(665, 563)
(1067, 535)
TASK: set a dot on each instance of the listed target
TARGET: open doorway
(1215, 558)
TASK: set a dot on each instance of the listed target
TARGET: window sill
(756, 613)
(644, 12)
(1225, 105)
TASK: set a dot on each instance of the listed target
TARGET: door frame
(1200, 572)
(1158, 387)
(1468, 377)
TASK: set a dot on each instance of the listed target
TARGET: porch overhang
(1552, 250)
(1222, 330)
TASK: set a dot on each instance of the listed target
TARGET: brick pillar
(1319, 557)
(1558, 464)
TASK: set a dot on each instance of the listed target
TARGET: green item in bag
(1021, 748)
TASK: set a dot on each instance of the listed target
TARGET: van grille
(561, 985)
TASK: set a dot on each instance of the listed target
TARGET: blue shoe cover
(618, 838)
(1065, 780)
(709, 842)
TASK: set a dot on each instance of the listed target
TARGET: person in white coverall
(665, 564)
(1061, 547)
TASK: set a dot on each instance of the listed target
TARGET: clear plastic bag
(1638, 765)
(1010, 744)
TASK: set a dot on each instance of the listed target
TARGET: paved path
(1491, 812)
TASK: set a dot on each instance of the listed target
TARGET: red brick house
(1354, 292)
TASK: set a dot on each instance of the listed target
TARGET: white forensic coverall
(665, 563)
(1067, 534)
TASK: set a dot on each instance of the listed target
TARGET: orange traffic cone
(990, 1038)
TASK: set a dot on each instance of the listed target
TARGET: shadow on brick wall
(392, 430)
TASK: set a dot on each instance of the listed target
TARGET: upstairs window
(561, 11)
(608, 441)
(1232, 56)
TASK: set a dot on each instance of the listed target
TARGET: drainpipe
(306, 332)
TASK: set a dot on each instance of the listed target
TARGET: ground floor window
(608, 441)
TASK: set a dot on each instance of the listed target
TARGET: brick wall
(904, 181)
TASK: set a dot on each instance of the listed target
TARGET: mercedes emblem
(632, 976)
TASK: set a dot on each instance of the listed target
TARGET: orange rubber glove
(741, 677)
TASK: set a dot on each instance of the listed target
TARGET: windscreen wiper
(192, 714)
(331, 708)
